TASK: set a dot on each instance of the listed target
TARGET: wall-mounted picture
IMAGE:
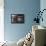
(17, 18)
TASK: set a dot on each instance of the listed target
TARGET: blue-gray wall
(13, 32)
(43, 6)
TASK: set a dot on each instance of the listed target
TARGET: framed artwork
(17, 18)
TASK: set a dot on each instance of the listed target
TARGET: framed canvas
(17, 18)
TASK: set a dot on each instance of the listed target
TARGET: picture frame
(17, 18)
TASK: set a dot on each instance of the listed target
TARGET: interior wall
(43, 6)
(13, 32)
(1, 20)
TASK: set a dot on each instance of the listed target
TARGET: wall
(43, 6)
(1, 20)
(13, 32)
